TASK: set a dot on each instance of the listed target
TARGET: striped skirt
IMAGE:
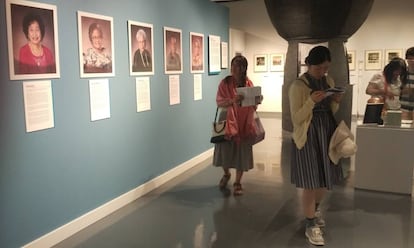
(311, 167)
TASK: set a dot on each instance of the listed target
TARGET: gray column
(339, 71)
(290, 74)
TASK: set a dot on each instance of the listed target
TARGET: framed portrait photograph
(141, 48)
(196, 52)
(351, 60)
(260, 63)
(32, 40)
(373, 60)
(96, 45)
(392, 53)
(277, 62)
(173, 52)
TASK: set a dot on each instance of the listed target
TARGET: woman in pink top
(236, 153)
(34, 57)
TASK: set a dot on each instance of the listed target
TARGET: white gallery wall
(383, 30)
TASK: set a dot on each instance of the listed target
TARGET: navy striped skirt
(311, 167)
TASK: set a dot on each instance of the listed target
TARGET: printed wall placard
(224, 55)
(214, 54)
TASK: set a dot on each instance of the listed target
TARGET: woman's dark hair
(318, 55)
(92, 27)
(29, 19)
(409, 52)
(241, 62)
(393, 65)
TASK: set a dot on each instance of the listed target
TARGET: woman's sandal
(238, 190)
(224, 181)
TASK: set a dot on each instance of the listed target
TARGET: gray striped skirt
(311, 167)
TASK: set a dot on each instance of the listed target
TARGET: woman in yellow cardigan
(312, 111)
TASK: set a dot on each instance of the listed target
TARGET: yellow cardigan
(301, 106)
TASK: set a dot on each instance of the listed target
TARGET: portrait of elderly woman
(96, 45)
(197, 52)
(96, 59)
(172, 51)
(34, 57)
(141, 48)
(32, 35)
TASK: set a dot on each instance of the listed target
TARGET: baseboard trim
(54, 237)
(270, 114)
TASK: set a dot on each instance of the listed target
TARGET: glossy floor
(190, 211)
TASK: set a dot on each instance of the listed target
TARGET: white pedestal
(385, 157)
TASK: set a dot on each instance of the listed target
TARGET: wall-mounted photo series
(33, 42)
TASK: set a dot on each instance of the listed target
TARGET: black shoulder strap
(300, 79)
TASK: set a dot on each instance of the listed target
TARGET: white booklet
(250, 95)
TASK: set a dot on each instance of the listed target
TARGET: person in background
(313, 125)
(236, 153)
(142, 57)
(407, 89)
(34, 57)
(96, 59)
(387, 85)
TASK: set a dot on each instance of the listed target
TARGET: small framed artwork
(373, 60)
(277, 62)
(392, 53)
(260, 63)
(32, 40)
(351, 60)
(224, 55)
(96, 45)
(173, 63)
(197, 52)
(141, 48)
(214, 58)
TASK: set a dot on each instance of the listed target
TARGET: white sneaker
(319, 221)
(314, 235)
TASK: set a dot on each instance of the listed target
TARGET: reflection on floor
(190, 211)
